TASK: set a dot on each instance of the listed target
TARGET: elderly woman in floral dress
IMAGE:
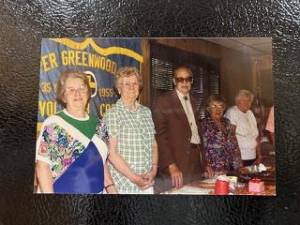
(71, 149)
(220, 143)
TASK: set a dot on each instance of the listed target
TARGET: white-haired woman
(244, 122)
(133, 149)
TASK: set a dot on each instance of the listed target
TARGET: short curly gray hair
(244, 93)
(127, 72)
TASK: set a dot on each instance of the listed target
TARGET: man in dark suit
(181, 156)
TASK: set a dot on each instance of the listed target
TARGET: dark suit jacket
(173, 135)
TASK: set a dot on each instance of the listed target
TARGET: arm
(108, 182)
(120, 164)
(152, 173)
(162, 129)
(258, 152)
(167, 161)
(270, 125)
(207, 152)
(44, 177)
(236, 154)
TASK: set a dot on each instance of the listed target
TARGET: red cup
(221, 187)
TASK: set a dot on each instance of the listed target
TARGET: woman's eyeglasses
(81, 89)
(215, 107)
(182, 79)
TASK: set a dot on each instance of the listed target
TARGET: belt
(195, 145)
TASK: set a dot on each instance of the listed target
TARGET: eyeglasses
(81, 89)
(129, 85)
(182, 79)
(215, 107)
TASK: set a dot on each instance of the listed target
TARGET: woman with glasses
(71, 149)
(220, 143)
(133, 149)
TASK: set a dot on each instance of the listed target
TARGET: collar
(181, 96)
(243, 113)
(121, 104)
(76, 118)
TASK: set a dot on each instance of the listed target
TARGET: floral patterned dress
(221, 146)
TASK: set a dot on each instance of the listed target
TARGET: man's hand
(176, 176)
(210, 172)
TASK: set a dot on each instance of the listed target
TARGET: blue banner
(99, 58)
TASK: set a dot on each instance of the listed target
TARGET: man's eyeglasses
(182, 79)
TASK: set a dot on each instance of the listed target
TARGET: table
(206, 186)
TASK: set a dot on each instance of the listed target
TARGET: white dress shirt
(187, 106)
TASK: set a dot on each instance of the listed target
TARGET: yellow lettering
(52, 59)
(106, 92)
(48, 62)
(64, 58)
(97, 63)
(42, 105)
(77, 58)
(46, 87)
(47, 108)
(82, 58)
(102, 63)
(113, 67)
(103, 108)
(91, 60)
(108, 65)
(71, 57)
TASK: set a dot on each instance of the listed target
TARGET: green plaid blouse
(135, 134)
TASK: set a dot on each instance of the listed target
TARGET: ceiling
(260, 46)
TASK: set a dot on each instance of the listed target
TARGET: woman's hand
(258, 159)
(140, 181)
(150, 176)
(111, 189)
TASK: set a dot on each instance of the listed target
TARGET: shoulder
(205, 120)
(205, 123)
(232, 113)
(250, 114)
(52, 120)
(145, 109)
(165, 99)
(231, 110)
(166, 96)
(226, 121)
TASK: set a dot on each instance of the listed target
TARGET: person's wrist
(133, 178)
(172, 166)
(154, 167)
(111, 185)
